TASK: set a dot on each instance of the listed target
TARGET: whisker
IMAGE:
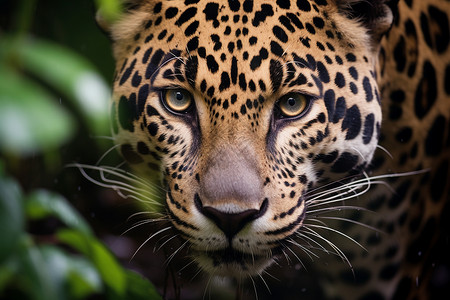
(148, 239)
(187, 265)
(106, 153)
(207, 287)
(169, 259)
(196, 274)
(345, 189)
(339, 252)
(254, 287)
(336, 198)
(102, 137)
(288, 259)
(295, 255)
(128, 186)
(161, 217)
(303, 248)
(325, 210)
(163, 64)
(372, 179)
(354, 222)
(265, 283)
(360, 154)
(336, 231)
(129, 177)
(385, 151)
(113, 171)
(120, 187)
(179, 58)
(140, 223)
(168, 240)
(320, 246)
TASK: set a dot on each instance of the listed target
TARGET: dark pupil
(179, 96)
(291, 102)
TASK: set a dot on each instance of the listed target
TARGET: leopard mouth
(230, 256)
(229, 262)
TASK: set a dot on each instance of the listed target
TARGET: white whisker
(303, 248)
(165, 63)
(265, 283)
(295, 255)
(168, 240)
(148, 239)
(121, 187)
(106, 153)
(309, 239)
(338, 251)
(254, 287)
(187, 265)
(171, 256)
(162, 217)
(102, 137)
(140, 223)
(207, 287)
(316, 212)
(352, 221)
(385, 151)
(336, 231)
(288, 259)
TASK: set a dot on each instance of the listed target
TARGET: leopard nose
(231, 178)
(230, 223)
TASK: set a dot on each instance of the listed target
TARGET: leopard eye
(177, 100)
(293, 105)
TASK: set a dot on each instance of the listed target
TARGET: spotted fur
(240, 176)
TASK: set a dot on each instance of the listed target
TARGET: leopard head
(241, 109)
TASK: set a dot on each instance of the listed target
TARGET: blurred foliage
(70, 264)
(53, 110)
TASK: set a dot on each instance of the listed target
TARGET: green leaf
(110, 9)
(42, 203)
(110, 271)
(139, 288)
(7, 272)
(73, 76)
(11, 217)
(84, 279)
(36, 277)
(75, 277)
(48, 273)
(30, 120)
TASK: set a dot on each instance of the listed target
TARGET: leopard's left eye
(177, 100)
(293, 105)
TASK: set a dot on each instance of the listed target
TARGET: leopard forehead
(258, 48)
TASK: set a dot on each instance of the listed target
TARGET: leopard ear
(376, 16)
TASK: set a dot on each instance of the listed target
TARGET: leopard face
(241, 109)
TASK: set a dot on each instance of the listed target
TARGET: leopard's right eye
(293, 105)
(177, 100)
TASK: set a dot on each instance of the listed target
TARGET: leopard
(278, 130)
